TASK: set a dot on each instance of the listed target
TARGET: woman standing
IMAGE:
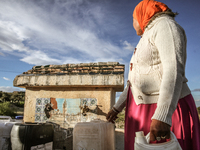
(157, 97)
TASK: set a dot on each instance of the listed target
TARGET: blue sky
(35, 32)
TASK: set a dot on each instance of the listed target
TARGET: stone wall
(105, 98)
(69, 87)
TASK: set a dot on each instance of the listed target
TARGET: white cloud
(6, 78)
(43, 32)
(10, 89)
(39, 58)
(128, 46)
(1, 54)
(10, 37)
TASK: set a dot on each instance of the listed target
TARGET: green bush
(121, 119)
(6, 110)
(20, 104)
(198, 109)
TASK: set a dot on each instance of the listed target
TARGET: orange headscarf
(147, 9)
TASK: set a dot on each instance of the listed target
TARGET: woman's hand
(159, 130)
(112, 116)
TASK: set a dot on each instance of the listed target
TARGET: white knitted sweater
(157, 69)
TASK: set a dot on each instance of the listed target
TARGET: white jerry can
(6, 124)
(94, 135)
(142, 143)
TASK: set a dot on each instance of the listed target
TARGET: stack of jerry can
(6, 124)
(29, 136)
(94, 135)
(63, 138)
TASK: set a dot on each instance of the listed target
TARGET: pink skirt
(185, 122)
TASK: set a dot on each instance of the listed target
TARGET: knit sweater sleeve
(121, 103)
(170, 40)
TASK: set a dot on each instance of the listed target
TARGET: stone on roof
(82, 68)
(83, 74)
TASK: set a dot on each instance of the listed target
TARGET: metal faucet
(84, 109)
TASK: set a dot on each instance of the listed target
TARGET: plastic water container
(142, 143)
(32, 136)
(6, 124)
(94, 135)
(63, 139)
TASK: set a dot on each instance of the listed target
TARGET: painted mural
(65, 112)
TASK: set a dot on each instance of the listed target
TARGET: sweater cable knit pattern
(158, 70)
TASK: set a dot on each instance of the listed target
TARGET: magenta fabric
(185, 122)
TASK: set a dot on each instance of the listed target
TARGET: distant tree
(121, 119)
(6, 110)
(14, 97)
(18, 98)
(1, 93)
(5, 97)
(22, 96)
(198, 109)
